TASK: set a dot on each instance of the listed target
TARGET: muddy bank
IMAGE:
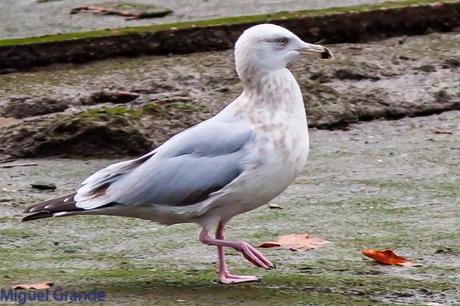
(381, 184)
(336, 25)
(67, 109)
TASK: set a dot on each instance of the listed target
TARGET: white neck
(275, 90)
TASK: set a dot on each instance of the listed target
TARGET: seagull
(234, 162)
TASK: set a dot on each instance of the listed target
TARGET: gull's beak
(307, 48)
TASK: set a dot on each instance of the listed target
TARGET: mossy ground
(199, 85)
(216, 22)
(151, 110)
(383, 184)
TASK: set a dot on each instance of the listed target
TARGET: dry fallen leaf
(5, 121)
(44, 285)
(295, 242)
(442, 131)
(121, 9)
(127, 94)
(387, 257)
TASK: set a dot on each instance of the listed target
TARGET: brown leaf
(44, 285)
(387, 257)
(127, 94)
(295, 242)
(129, 11)
(5, 121)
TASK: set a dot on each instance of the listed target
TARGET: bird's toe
(227, 278)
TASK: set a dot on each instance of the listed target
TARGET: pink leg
(249, 252)
(224, 276)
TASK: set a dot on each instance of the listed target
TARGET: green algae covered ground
(257, 18)
(381, 184)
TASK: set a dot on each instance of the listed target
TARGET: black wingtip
(38, 215)
(327, 54)
(48, 208)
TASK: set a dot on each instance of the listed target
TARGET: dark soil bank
(78, 110)
(333, 27)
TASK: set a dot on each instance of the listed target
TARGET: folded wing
(183, 171)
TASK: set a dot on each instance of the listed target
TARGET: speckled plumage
(234, 162)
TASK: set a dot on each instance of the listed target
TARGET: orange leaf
(387, 257)
(127, 94)
(295, 242)
(44, 285)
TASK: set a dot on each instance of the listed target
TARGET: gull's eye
(281, 41)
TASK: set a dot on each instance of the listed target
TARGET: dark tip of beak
(326, 54)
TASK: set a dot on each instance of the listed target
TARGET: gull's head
(271, 47)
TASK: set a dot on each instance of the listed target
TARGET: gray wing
(183, 171)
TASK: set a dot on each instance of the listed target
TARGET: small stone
(44, 186)
(223, 89)
(427, 68)
(451, 63)
(425, 291)
(444, 250)
(404, 294)
(354, 74)
(116, 97)
(274, 206)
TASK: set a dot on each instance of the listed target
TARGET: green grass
(116, 111)
(216, 22)
(166, 286)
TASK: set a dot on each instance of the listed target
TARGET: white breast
(280, 147)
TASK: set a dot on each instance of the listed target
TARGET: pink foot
(254, 256)
(248, 251)
(227, 278)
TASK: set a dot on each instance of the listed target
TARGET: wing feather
(183, 171)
